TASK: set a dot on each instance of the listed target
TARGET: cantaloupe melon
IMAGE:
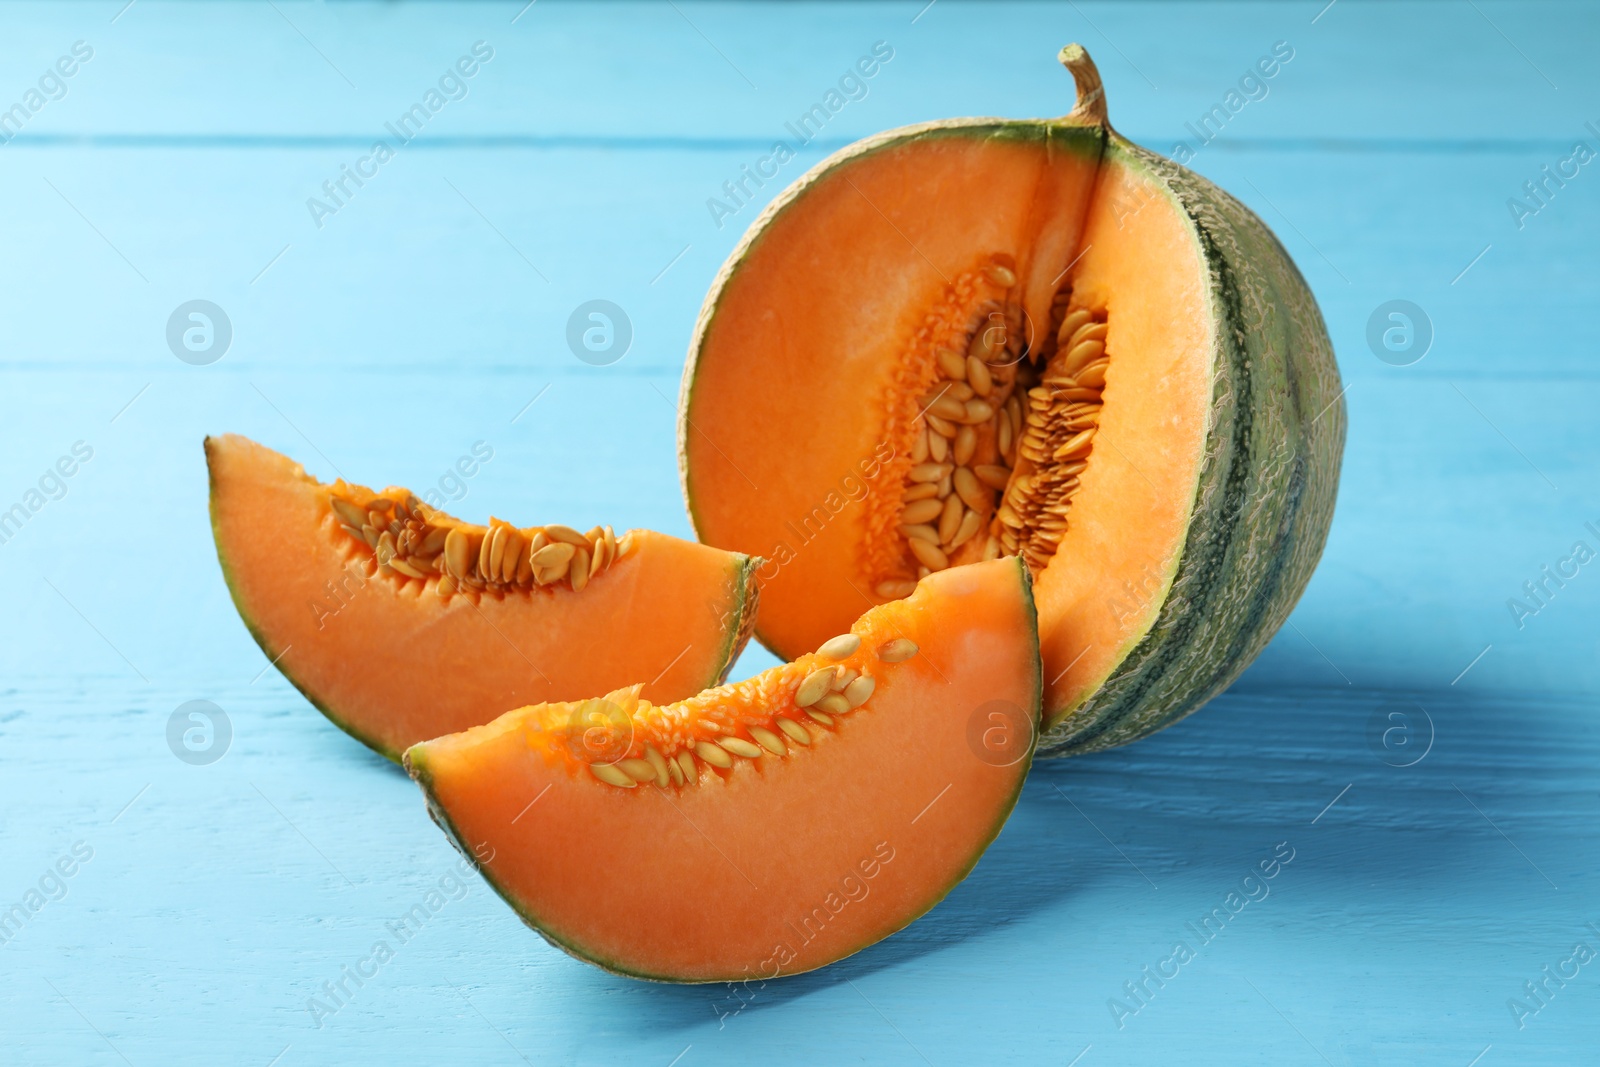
(764, 828)
(401, 623)
(1054, 344)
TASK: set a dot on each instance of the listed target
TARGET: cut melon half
(983, 337)
(401, 623)
(768, 827)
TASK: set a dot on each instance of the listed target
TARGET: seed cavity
(408, 540)
(1056, 443)
(676, 743)
(998, 424)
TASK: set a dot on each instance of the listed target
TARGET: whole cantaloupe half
(768, 827)
(985, 337)
(400, 622)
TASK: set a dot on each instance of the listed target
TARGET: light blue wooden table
(1435, 870)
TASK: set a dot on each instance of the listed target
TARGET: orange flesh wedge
(773, 864)
(390, 661)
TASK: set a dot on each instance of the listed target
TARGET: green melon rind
(738, 627)
(1265, 494)
(415, 762)
(1054, 133)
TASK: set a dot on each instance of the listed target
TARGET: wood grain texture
(431, 309)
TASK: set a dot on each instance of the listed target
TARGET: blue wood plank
(425, 314)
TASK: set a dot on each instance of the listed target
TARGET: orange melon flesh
(777, 864)
(390, 662)
(833, 291)
(1131, 515)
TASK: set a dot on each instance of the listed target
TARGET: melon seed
(557, 553)
(713, 754)
(405, 568)
(940, 426)
(952, 363)
(769, 740)
(1000, 275)
(992, 475)
(659, 763)
(739, 747)
(612, 776)
(950, 518)
(637, 769)
(967, 530)
(1070, 325)
(1082, 355)
(821, 716)
(349, 512)
(895, 589)
(797, 733)
(947, 407)
(566, 535)
(921, 511)
(966, 444)
(929, 554)
(978, 374)
(815, 684)
(857, 692)
(898, 650)
(832, 704)
(1094, 375)
(977, 411)
(921, 531)
(914, 493)
(686, 767)
(458, 552)
(968, 489)
(839, 647)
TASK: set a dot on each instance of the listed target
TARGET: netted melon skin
(1265, 495)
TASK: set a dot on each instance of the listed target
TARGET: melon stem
(1091, 106)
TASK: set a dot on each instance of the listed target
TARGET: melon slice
(768, 827)
(1042, 340)
(401, 623)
